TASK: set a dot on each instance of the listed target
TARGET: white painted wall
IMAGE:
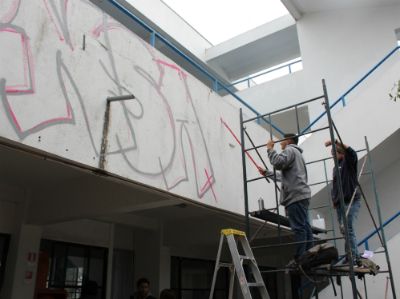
(54, 95)
(339, 46)
(21, 269)
(369, 112)
(376, 285)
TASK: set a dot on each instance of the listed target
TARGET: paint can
(260, 204)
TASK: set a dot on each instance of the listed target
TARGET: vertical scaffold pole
(331, 214)
(275, 185)
(341, 197)
(246, 198)
(328, 190)
(378, 207)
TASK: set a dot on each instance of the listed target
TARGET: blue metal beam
(341, 98)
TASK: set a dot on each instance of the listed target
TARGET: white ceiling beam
(293, 9)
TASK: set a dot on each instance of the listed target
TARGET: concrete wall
(62, 62)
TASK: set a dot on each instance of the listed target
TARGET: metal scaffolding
(280, 219)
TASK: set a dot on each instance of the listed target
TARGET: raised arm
(282, 160)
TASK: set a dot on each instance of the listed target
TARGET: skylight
(221, 20)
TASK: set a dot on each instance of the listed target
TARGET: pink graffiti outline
(181, 73)
(29, 80)
(45, 122)
(10, 14)
(108, 26)
(183, 76)
(96, 31)
(26, 89)
(58, 31)
(210, 183)
(238, 141)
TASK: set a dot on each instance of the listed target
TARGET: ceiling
(256, 50)
(298, 8)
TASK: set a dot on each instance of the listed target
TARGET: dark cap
(292, 136)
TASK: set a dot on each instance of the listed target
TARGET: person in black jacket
(348, 160)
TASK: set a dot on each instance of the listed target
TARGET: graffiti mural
(169, 162)
(59, 17)
(58, 71)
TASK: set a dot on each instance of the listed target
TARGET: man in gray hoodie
(295, 192)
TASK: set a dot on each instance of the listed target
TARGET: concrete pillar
(152, 259)
(22, 263)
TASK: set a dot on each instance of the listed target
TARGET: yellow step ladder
(254, 279)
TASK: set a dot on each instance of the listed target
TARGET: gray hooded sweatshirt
(293, 174)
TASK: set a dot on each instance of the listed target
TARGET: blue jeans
(351, 220)
(297, 213)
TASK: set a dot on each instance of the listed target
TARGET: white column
(24, 262)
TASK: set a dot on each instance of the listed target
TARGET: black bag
(318, 255)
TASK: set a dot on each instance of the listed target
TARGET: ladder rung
(245, 257)
(255, 284)
(227, 265)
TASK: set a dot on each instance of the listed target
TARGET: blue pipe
(155, 34)
(352, 88)
(373, 233)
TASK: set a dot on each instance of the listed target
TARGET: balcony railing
(288, 66)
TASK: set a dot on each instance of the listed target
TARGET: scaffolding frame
(331, 127)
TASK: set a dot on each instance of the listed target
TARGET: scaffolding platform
(329, 270)
(272, 217)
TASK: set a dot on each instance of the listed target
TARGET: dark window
(79, 269)
(4, 244)
(191, 279)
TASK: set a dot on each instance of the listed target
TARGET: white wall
(54, 95)
(25, 267)
(376, 285)
(388, 187)
(339, 46)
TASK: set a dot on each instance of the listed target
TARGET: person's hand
(262, 171)
(328, 143)
(270, 144)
